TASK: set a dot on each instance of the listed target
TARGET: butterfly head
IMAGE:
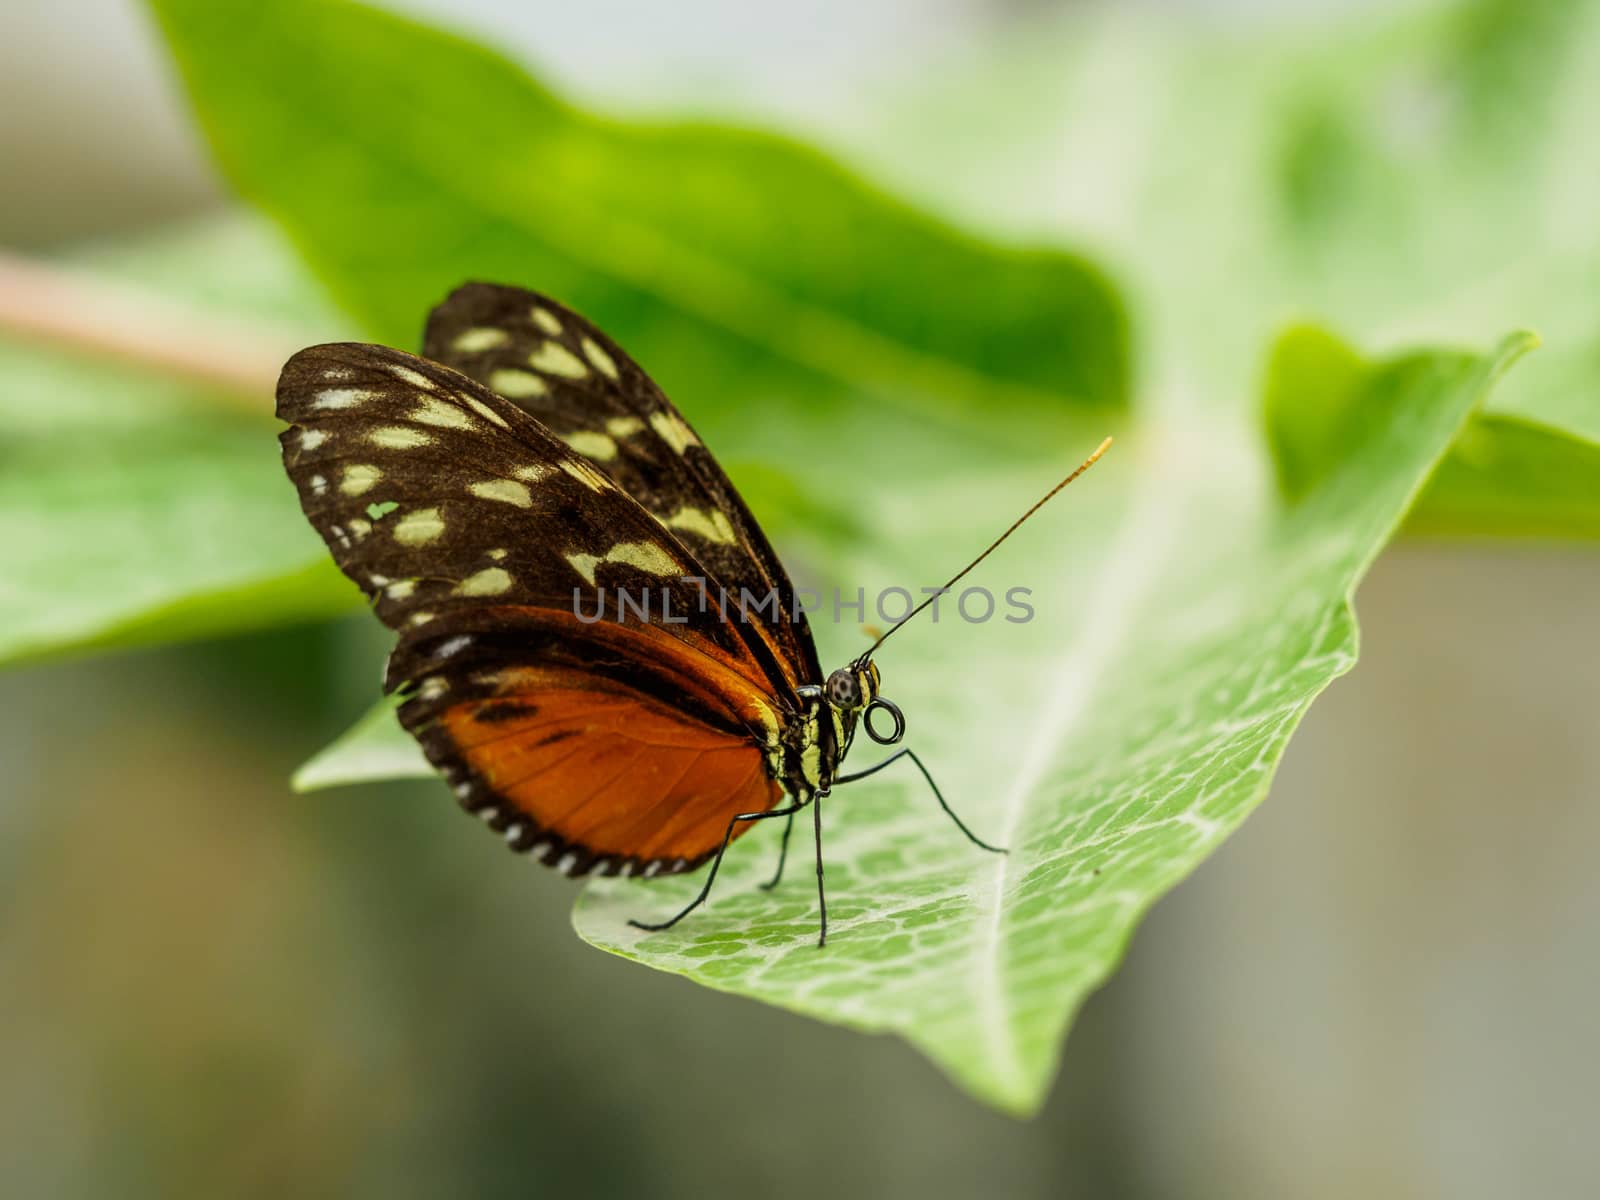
(852, 691)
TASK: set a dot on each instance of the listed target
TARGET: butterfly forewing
(562, 369)
(471, 527)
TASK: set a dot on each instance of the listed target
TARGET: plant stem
(87, 314)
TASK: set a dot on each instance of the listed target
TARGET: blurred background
(1384, 986)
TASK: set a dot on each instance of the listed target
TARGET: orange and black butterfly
(556, 550)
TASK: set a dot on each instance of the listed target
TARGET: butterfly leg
(716, 865)
(822, 899)
(938, 795)
(783, 854)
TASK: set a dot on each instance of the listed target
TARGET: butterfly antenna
(961, 574)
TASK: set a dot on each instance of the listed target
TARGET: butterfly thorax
(817, 739)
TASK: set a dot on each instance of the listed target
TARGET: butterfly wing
(593, 771)
(476, 534)
(558, 366)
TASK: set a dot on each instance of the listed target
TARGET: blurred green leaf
(1511, 478)
(1427, 174)
(1184, 627)
(1505, 476)
(138, 509)
(1187, 617)
(1313, 405)
(1441, 170)
(1530, 465)
(748, 271)
(145, 512)
(368, 750)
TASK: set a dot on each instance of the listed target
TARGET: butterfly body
(484, 495)
(544, 531)
(818, 738)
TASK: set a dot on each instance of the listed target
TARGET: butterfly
(555, 548)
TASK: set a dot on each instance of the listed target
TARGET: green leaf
(1137, 725)
(1313, 406)
(142, 510)
(1185, 623)
(1511, 478)
(742, 267)
(137, 509)
(1530, 465)
(1505, 476)
(1465, 220)
(1187, 614)
(374, 747)
(1422, 175)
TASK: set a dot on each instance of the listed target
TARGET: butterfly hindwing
(604, 748)
(477, 535)
(595, 780)
(558, 366)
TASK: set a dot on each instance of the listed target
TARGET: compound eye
(843, 691)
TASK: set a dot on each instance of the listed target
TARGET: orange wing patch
(588, 780)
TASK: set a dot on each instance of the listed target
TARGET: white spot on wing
(359, 478)
(555, 359)
(591, 445)
(399, 437)
(453, 645)
(341, 398)
(414, 378)
(586, 475)
(506, 491)
(545, 320)
(517, 384)
(492, 581)
(670, 428)
(710, 524)
(483, 410)
(418, 528)
(439, 412)
(646, 556)
(602, 361)
(476, 341)
(621, 427)
(310, 439)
